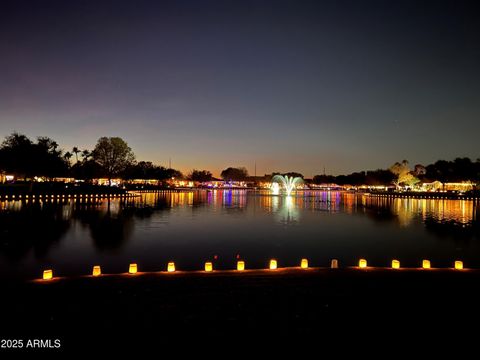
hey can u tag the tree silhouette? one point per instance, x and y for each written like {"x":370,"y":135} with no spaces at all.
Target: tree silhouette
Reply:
{"x":200,"y":175}
{"x":67,"y":156}
{"x":24,"y":158}
{"x":113,"y":155}
{"x":234,"y":174}
{"x":76,"y":150}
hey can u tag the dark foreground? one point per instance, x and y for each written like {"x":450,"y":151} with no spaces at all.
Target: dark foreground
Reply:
{"x":344,"y":310}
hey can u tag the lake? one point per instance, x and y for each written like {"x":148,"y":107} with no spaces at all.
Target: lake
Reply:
{"x":191,"y":227}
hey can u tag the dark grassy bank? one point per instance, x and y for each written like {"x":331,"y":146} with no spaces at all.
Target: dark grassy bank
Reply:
{"x":340,"y":310}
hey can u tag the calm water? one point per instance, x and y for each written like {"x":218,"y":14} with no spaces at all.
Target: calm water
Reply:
{"x":192,"y":227}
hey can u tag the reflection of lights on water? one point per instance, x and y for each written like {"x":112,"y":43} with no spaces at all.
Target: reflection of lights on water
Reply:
{"x":289,"y":202}
{"x":287,"y":212}
{"x":461,"y":212}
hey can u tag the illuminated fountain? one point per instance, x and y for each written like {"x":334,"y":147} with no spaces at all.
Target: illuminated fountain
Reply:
{"x":288,"y":182}
{"x":275,"y":188}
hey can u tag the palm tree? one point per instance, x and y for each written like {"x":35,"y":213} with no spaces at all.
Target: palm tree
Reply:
{"x":67,"y":156}
{"x":76,"y":150}
{"x":86,"y":154}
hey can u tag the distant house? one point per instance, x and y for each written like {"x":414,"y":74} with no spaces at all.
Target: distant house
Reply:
{"x":432,"y":186}
{"x":105,"y":181}
{"x":5,"y":178}
{"x":459,"y":186}
{"x":143,"y":181}
{"x":452,"y":186}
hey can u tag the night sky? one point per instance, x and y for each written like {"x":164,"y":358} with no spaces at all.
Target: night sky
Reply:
{"x":292,"y":85}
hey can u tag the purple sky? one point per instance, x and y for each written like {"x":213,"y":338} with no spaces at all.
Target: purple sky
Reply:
{"x":292,"y":85}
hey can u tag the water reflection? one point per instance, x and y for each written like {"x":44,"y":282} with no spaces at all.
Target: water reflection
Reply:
{"x":407,"y":210}
{"x":214,"y":218}
{"x":35,"y":228}
{"x":110,"y":225}
{"x":286,"y":210}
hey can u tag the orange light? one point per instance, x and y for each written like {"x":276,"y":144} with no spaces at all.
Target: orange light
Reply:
{"x":47,"y":274}
{"x":426,"y":264}
{"x":458,"y":265}
{"x":208,"y":267}
{"x":171,"y":267}
{"x":240,"y":265}
{"x":273,"y":264}
{"x":362,"y":263}
{"x":304,"y":264}
{"x":133,"y":269}
{"x":97,"y":271}
{"x":334,"y":264}
{"x":395,"y":264}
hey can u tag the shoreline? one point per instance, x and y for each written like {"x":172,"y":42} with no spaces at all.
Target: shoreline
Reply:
{"x":17,"y":193}
{"x":423,"y":195}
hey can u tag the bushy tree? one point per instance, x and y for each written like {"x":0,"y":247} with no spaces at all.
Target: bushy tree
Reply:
{"x":200,"y":175}
{"x":234,"y":174}
{"x":24,"y":158}
{"x":113,"y":155}
{"x":403,"y":174}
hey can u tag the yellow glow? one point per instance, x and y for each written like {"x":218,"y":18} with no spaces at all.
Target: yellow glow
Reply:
{"x":47,"y":274}
{"x":334,"y":264}
{"x":240,"y":265}
{"x":208,"y":267}
{"x":458,"y":265}
{"x":426,"y":264}
{"x":395,"y":264}
{"x":171,"y":267}
{"x":132,"y":269}
{"x":362,"y":263}
{"x":304,"y":264}
{"x":96,"y":270}
{"x":273,"y":264}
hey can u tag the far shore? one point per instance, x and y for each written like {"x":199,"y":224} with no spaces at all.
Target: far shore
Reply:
{"x":22,"y":190}
{"x":427,"y":195}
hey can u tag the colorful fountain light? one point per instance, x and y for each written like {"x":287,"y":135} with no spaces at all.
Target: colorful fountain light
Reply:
{"x":288,"y":182}
{"x":275,"y":188}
